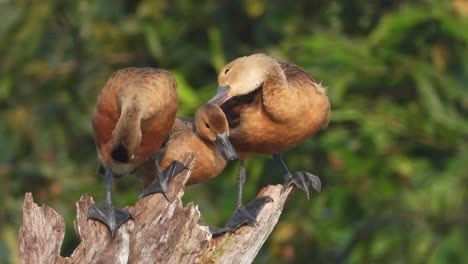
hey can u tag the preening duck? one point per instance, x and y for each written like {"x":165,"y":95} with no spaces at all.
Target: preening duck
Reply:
{"x":271,"y":107}
{"x":133,"y":116}
{"x":206,"y":134}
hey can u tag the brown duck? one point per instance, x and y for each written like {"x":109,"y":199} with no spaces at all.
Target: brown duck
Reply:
{"x":206,"y":134}
{"x":271,"y":107}
{"x":133,"y":116}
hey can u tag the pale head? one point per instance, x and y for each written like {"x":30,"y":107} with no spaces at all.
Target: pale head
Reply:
{"x":242,"y":76}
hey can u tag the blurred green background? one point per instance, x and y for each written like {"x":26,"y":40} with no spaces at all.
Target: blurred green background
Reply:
{"x":393,"y":161}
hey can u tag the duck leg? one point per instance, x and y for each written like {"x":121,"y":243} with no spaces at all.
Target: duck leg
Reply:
{"x":243,"y":215}
{"x":301,"y":179}
{"x":112,"y":217}
{"x":163,"y":178}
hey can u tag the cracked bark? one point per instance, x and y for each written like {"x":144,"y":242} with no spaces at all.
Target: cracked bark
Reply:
{"x":160,"y":232}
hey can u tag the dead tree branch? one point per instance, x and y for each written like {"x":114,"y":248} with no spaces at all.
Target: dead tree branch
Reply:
{"x":160,"y":232}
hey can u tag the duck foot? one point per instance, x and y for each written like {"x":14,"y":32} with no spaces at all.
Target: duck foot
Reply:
{"x":243,"y":215}
{"x":302,"y":180}
{"x":161,"y":182}
{"x":215,"y":231}
{"x":112,"y":217}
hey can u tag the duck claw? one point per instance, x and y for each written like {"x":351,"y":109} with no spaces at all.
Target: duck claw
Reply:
{"x":215,"y":231}
{"x":160,"y":183}
{"x":244,"y":215}
{"x":302,"y":180}
{"x":112,"y":217}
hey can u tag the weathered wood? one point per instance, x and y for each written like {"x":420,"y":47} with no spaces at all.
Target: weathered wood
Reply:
{"x":160,"y":232}
{"x":244,"y":244}
{"x":41,"y":235}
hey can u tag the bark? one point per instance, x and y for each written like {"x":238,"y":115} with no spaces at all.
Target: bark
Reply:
{"x":160,"y":232}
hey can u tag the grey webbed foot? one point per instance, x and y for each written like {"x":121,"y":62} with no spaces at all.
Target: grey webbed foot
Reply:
{"x":302,"y":180}
{"x":244,"y":215}
{"x":112,"y":217}
{"x":106,"y":213}
{"x":163,"y":179}
{"x":215,"y":231}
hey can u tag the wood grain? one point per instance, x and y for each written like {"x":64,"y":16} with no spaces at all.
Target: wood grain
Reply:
{"x":160,"y":232}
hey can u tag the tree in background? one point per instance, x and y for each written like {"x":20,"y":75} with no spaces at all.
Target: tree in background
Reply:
{"x":393,"y":161}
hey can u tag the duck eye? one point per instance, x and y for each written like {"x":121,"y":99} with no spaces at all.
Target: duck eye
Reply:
{"x":207,"y":126}
{"x":226,"y":71}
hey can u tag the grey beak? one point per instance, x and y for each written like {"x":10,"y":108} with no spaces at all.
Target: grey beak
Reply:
{"x":225,"y":147}
{"x":221,"y":96}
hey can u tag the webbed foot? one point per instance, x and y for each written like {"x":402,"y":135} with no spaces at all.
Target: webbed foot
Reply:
{"x":112,"y":217}
{"x":244,"y":215}
{"x":106,"y":213}
{"x":163,"y":179}
{"x":302,"y":180}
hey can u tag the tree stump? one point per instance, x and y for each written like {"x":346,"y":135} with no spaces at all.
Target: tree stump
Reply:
{"x":161,"y":231}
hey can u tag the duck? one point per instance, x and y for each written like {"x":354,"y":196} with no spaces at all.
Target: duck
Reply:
{"x":133,"y":116}
{"x":271,"y":107}
{"x":206,"y":134}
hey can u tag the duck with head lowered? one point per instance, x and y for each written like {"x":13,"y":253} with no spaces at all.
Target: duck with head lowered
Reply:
{"x":133,"y":116}
{"x":206,"y":134}
{"x":271,"y":107}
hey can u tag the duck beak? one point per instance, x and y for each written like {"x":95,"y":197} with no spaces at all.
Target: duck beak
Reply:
{"x":221,"y":96}
{"x":225,"y":147}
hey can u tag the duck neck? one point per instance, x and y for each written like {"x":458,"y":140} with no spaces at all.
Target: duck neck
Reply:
{"x":127,"y":133}
{"x":278,"y":100}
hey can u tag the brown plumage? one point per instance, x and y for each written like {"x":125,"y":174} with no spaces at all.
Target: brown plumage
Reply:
{"x":271,"y":106}
{"x":133,"y":116}
{"x":206,"y":134}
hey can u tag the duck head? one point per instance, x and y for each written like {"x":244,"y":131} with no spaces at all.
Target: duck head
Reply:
{"x":211,"y":124}
{"x":242,"y":76}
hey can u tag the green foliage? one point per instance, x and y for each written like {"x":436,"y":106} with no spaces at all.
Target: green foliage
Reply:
{"x":393,"y":160}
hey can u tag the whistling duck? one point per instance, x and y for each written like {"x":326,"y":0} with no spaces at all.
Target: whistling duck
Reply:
{"x":133,"y":116}
{"x":206,"y":134}
{"x":271,"y":107}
